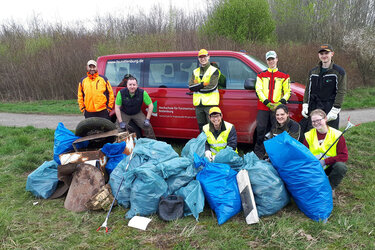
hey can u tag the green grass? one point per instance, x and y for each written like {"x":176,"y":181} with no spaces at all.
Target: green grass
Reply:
{"x":359,"y":98}
{"x":354,"y":99}
{"x":53,"y":107}
{"x":49,"y":225}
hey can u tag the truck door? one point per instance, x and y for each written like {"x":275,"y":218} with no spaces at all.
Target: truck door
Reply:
{"x":239,"y":106}
{"x":166,"y":80}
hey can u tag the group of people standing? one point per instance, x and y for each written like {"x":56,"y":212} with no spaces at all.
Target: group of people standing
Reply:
{"x":318,"y":130}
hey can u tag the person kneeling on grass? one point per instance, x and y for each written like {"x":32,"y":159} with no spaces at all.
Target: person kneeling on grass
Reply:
{"x":319,"y":139}
{"x":285,"y":123}
{"x":220,"y":134}
{"x":128,"y":107}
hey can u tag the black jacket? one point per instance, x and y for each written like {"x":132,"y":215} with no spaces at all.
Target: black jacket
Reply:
{"x":291,"y":127}
{"x":325,"y":90}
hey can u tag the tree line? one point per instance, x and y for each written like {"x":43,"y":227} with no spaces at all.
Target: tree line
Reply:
{"x":46,"y":61}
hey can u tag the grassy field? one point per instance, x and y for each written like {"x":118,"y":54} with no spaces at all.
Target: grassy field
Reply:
{"x":49,"y":225}
{"x":357,"y":98}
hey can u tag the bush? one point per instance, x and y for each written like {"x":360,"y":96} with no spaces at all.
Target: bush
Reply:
{"x":241,"y":20}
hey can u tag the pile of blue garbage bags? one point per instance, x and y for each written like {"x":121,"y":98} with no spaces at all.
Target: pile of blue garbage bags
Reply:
{"x":156,"y":170}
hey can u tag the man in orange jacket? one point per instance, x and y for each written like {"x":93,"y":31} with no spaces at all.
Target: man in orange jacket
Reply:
{"x":95,"y":94}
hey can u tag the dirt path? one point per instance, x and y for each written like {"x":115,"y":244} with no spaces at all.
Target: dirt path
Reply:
{"x":71,"y":121}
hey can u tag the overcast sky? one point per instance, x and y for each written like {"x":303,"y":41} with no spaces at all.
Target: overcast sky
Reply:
{"x":70,"y":11}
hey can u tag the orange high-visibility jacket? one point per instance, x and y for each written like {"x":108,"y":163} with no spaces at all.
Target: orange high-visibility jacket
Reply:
{"x":95,"y":95}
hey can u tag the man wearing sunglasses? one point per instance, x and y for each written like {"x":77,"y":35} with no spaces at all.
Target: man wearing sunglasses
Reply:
{"x":325,"y":89}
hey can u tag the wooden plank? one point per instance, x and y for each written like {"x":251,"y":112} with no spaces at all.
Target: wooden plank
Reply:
{"x":97,"y":136}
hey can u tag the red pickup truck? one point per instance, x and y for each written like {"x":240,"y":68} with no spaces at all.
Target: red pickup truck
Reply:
{"x":165,"y":76}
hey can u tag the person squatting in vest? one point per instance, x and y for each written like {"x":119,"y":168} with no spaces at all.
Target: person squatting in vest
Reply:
{"x":319,"y":139}
{"x":220,"y":134}
{"x":272,"y":89}
{"x":204,"y":83}
{"x":95,"y":94}
{"x":285,"y":123}
{"x":325,"y":89}
{"x":128,"y":107}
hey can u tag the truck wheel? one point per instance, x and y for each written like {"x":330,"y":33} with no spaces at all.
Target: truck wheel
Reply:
{"x":94,"y":125}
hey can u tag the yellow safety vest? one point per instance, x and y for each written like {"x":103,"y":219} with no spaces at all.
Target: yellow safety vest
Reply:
{"x":219,"y":143}
{"x":206,"y":99}
{"x":316,"y":149}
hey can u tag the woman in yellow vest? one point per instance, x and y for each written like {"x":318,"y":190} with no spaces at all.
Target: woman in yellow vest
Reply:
{"x":220,"y":134}
{"x":319,"y":139}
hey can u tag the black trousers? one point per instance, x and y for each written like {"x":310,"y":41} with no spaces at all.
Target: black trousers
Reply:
{"x":265,"y":120}
{"x":103,"y":114}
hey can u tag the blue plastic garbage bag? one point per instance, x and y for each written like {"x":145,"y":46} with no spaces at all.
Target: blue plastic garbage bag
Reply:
{"x":230,"y":157}
{"x":63,"y":141}
{"x":195,"y":146}
{"x":220,"y":188}
{"x":303,"y":176}
{"x":146,"y":189}
{"x":114,"y":152}
{"x":42,"y":182}
{"x":269,"y":190}
{"x":178,"y":172}
{"x":123,"y":197}
{"x":193,"y":198}
{"x":153,"y":150}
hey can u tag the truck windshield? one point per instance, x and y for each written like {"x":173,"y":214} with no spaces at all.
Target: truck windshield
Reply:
{"x":257,"y":62}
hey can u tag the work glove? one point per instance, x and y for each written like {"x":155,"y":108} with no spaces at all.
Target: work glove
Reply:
{"x":323,"y":163}
{"x":147,"y":123}
{"x":283,"y":101}
{"x":122,"y":125}
{"x":208,"y":155}
{"x":332,"y":115}
{"x":305,"y":110}
{"x":276,"y":104}
{"x":271,"y":106}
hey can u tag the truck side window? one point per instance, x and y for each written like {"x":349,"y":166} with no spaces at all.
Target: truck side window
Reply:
{"x":172,"y":72}
{"x":234,"y":70}
{"x":116,"y":69}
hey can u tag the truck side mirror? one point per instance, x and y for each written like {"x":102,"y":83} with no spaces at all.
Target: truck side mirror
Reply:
{"x":249,"y":84}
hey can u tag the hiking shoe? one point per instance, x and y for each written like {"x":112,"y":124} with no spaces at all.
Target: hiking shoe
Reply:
{"x":333,"y":194}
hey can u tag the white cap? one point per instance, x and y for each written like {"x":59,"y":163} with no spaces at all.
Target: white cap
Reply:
{"x":92,"y":62}
{"x":270,"y":54}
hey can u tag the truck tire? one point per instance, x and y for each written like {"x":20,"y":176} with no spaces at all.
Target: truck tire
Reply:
{"x":94,"y":125}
